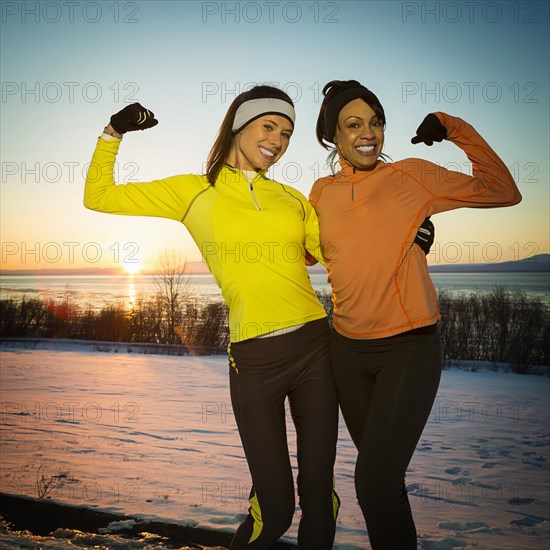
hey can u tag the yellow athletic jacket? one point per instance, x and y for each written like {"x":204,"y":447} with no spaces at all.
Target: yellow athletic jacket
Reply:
{"x":253,"y":236}
{"x":381,"y":286}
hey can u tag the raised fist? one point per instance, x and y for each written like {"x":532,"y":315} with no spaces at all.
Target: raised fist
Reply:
{"x":133,"y":117}
{"x":430,"y":130}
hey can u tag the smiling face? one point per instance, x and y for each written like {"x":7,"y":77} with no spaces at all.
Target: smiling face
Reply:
{"x":359,"y":135}
{"x":261,"y":143}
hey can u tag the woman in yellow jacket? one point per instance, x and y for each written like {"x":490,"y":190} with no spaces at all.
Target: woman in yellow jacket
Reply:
{"x":385,"y":349}
{"x":253,"y":233}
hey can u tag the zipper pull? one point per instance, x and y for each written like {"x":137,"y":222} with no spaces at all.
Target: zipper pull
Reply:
{"x":254,"y":199}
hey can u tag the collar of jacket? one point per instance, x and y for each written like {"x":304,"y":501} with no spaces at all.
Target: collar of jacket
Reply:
{"x":350,"y":174}
{"x":228,"y":174}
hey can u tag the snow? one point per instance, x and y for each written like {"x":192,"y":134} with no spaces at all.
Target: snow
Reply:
{"x":154,"y":437}
{"x":68,"y":539}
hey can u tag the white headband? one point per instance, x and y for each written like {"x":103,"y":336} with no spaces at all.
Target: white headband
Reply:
{"x":254,"y":108}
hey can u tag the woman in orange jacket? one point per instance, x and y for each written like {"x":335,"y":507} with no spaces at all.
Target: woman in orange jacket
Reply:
{"x":386,"y":350}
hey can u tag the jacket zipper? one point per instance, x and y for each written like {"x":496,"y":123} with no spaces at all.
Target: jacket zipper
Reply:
{"x":254,"y":198}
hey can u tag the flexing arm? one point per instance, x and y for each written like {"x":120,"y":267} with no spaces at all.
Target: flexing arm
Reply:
{"x":162,"y":198}
{"x":490,"y":185}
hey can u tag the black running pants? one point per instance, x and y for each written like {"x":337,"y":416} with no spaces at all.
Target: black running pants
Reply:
{"x":386,"y":389}
{"x":264,"y":372}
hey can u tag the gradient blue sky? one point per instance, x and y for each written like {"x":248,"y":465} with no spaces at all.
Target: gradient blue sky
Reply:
{"x":487,"y":62}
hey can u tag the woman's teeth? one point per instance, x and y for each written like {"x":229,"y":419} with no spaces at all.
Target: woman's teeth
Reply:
{"x":266,"y":152}
{"x":365,"y":148}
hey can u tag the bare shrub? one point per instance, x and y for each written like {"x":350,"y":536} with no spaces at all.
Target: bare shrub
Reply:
{"x":501,"y":326}
{"x":45,"y":484}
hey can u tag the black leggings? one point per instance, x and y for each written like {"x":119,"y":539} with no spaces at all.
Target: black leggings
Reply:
{"x":262,"y":373}
{"x":386,"y":388}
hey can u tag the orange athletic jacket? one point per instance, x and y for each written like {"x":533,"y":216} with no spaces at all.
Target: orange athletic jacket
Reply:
{"x":381,"y":285}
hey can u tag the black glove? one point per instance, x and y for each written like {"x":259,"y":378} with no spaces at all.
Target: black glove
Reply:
{"x":430,"y":130}
{"x":425,"y":236}
{"x":133,"y":117}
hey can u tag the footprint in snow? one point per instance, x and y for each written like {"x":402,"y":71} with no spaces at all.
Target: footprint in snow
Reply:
{"x":538,"y":461}
{"x":464,"y":480}
{"x":527,"y":521}
{"x":223,"y":521}
{"x":517,"y":500}
{"x":463,"y":527}
{"x":443,"y":544}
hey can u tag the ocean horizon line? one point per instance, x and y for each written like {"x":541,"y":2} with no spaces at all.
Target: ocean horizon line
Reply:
{"x":538,"y":263}
{"x":198,"y":268}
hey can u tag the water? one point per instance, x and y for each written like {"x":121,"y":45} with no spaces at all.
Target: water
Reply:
{"x":96,"y":291}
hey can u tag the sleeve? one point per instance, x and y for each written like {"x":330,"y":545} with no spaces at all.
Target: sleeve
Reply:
{"x":315,"y":191}
{"x":491,"y":184}
{"x":314,"y":196}
{"x":165,"y":198}
{"x":314,"y":251}
{"x":312,"y":241}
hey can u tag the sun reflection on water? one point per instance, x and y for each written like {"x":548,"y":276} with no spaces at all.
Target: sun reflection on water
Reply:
{"x":131,"y":291}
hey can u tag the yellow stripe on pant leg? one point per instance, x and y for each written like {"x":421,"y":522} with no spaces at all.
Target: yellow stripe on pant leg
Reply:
{"x":335,"y":499}
{"x":256,"y":514}
{"x":232,"y":361}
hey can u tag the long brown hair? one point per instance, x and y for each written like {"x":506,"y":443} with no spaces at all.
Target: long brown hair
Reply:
{"x":222,"y":145}
{"x":330,"y":91}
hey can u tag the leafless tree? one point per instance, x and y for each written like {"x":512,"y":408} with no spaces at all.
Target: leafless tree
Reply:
{"x":173,"y":290}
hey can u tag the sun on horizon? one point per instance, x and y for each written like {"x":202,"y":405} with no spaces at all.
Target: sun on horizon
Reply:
{"x":132,"y":268}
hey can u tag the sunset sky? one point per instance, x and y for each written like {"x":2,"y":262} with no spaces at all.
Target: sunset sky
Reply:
{"x":67,"y":66}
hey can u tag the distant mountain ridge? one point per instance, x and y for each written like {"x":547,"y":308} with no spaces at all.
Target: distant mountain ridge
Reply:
{"x":538,"y":263}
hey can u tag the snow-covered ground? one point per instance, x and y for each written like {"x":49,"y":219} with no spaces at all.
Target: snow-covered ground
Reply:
{"x":154,"y":436}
